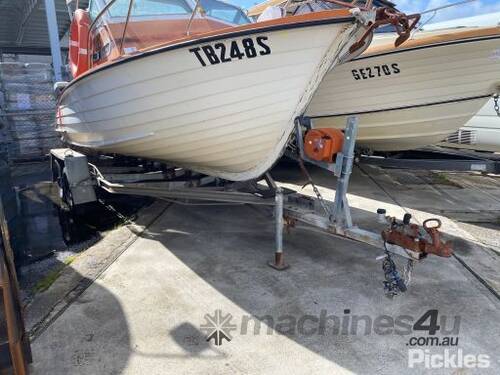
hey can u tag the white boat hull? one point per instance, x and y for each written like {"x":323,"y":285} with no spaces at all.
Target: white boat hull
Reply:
{"x":230,"y":120}
{"x":407,"y":129}
{"x":429,"y":92}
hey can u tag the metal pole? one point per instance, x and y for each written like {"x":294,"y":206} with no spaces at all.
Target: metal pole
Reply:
{"x":341,"y":212}
{"x":279,"y":262}
{"x":130,"y":5}
{"x":279,"y":220}
{"x":55,"y":47}
{"x":193,"y":14}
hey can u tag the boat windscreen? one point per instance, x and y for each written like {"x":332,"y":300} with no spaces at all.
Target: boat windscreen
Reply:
{"x":224,"y":12}
{"x":142,"y":8}
{"x":121,"y":27}
{"x":212,"y":8}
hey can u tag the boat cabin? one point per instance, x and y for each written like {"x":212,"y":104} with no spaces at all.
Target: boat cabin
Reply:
{"x":110,"y":29}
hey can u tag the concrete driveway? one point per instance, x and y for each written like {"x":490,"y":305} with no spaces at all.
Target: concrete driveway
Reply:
{"x":201,"y":271}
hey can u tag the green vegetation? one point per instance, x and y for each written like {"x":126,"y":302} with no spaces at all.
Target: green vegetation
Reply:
{"x":52,"y":276}
{"x":442,"y":179}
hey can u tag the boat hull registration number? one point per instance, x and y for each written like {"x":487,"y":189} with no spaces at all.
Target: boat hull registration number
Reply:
{"x":376,"y":71}
{"x":217,"y":53}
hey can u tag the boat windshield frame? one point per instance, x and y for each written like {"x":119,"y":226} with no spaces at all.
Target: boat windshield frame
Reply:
{"x":101,"y":4}
{"x":195,"y":6}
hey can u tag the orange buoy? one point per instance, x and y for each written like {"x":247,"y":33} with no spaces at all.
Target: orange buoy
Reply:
{"x":323,"y":144}
{"x":78,"y":38}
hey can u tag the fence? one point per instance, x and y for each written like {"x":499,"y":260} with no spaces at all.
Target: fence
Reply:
{"x":27,"y":111}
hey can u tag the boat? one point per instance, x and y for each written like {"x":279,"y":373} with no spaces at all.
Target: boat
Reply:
{"x":481,"y":133}
{"x":413,"y":95}
{"x":197,"y":84}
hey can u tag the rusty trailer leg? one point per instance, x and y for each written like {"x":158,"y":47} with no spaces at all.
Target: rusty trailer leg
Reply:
{"x":279,"y":261}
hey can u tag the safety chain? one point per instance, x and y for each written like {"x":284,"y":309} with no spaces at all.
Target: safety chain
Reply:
{"x":394,"y":284}
{"x":497,"y":106}
{"x":315,"y":189}
{"x":407,"y":272}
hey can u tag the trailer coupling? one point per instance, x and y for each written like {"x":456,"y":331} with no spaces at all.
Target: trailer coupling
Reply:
{"x":425,"y":239}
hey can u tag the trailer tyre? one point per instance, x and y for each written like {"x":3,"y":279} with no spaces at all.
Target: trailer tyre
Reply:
{"x":59,"y":177}
{"x":67,"y":197}
{"x":71,"y":230}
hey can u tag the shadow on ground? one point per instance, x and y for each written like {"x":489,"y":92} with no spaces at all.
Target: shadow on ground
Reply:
{"x":229,"y":253}
{"x":89,"y":336}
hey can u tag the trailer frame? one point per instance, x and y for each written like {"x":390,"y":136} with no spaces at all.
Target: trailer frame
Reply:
{"x":436,"y":158}
{"x":183,"y":186}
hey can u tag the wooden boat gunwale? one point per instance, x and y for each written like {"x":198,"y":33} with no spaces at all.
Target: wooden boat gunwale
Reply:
{"x":449,"y":39}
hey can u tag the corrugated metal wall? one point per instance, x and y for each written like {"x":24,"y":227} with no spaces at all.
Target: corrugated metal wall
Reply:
{"x":23,"y":22}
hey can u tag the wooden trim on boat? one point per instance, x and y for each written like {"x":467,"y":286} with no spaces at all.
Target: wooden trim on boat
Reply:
{"x":258,"y":9}
{"x":446,"y":38}
{"x":292,"y":22}
{"x":403,"y":107}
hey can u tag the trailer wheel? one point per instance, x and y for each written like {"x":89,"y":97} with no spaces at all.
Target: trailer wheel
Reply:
{"x":55,"y":169}
{"x":57,"y":174}
{"x":65,"y":193}
{"x":70,"y":226}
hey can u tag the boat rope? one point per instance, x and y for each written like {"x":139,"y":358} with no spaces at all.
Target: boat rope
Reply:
{"x":433,"y":10}
{"x":434,"y":13}
{"x":496,"y":105}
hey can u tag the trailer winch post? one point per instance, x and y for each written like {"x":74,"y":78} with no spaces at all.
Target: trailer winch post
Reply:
{"x":341,"y":214}
{"x":339,"y":221}
{"x":342,"y":169}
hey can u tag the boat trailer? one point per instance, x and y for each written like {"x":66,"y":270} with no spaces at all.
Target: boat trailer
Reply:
{"x":436,"y":158}
{"x":80,"y":180}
